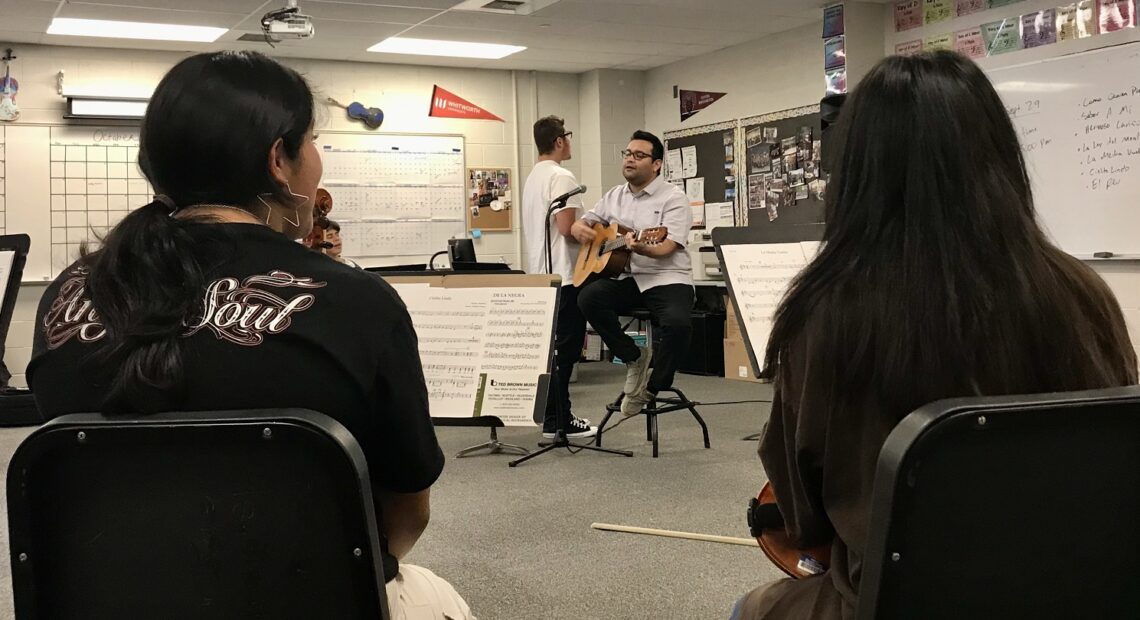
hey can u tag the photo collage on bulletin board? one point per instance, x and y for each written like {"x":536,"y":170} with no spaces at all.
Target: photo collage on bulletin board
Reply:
{"x":782,"y":170}
{"x":489,"y":199}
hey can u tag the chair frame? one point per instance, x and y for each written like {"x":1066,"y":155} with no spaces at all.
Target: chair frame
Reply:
{"x":263,"y":425}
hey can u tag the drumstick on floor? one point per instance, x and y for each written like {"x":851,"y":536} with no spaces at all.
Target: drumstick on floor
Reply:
{"x":728,"y":540}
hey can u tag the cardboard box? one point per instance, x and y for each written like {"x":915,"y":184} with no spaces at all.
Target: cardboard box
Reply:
{"x":731,"y":325}
{"x":736,"y":364}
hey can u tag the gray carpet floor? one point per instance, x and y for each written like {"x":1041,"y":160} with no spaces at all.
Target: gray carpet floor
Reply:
{"x":517,"y":542}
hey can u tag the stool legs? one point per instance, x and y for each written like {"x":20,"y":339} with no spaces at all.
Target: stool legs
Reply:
{"x":656,"y":407}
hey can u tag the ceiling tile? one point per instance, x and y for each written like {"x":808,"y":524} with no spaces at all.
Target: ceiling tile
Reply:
{"x":364,"y":13}
{"x":570,"y":35}
{"x":153,"y":16}
{"x":244,"y":7}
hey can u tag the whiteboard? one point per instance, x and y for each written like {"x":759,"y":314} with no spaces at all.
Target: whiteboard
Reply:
{"x":395,"y":194}
{"x":1078,"y":119}
{"x":95,"y":182}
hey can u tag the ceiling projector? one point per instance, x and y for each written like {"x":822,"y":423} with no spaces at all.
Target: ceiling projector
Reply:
{"x":288,"y":23}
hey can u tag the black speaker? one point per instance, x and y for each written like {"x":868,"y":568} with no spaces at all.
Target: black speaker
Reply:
{"x":461,"y":251}
{"x":829,"y":108}
{"x":706,"y":347}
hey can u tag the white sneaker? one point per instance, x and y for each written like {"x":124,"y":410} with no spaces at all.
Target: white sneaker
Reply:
{"x":579,"y":428}
{"x":632,"y":405}
{"x":637,"y":372}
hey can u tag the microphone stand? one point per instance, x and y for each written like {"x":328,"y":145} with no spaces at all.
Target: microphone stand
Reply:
{"x":561,"y":416}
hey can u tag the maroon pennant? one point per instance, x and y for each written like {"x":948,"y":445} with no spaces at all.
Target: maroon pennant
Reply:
{"x":693,"y":101}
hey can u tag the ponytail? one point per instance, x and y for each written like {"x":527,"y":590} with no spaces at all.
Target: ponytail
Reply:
{"x":145,"y":284}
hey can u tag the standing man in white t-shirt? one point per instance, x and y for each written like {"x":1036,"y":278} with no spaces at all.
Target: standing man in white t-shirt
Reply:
{"x":548,"y":181}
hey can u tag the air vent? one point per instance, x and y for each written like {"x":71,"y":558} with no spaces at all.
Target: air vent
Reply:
{"x":504,"y":7}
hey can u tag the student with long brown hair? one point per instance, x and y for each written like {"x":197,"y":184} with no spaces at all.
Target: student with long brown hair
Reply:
{"x":935,"y":280}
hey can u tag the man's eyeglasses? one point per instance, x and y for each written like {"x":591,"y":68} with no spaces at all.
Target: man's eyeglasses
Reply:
{"x":638,"y":155}
{"x":567,"y":135}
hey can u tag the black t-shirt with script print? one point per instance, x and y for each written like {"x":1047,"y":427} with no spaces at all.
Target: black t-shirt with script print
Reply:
{"x":281,"y":326}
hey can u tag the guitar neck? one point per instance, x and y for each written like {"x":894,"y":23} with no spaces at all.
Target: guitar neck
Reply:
{"x":619,"y":243}
{"x":616,"y":244}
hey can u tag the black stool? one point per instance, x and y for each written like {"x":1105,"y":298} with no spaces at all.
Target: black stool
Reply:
{"x":656,"y":407}
{"x":659,"y":405}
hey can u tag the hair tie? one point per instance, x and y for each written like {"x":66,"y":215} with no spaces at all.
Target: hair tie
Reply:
{"x":168,"y":201}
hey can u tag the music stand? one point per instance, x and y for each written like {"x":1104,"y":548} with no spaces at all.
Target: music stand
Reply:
{"x":748,"y":235}
{"x":560,"y":416}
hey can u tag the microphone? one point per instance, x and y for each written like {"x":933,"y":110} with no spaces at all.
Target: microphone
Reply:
{"x":581,"y":189}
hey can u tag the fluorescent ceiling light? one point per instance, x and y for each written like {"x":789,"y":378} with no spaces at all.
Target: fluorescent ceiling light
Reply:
{"x":134,"y":30}
{"x":105,"y":107}
{"x":433,"y":47}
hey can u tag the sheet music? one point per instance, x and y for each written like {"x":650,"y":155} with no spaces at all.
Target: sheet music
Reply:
{"x":449,"y":324}
{"x":482,"y":349}
{"x":760,"y":275}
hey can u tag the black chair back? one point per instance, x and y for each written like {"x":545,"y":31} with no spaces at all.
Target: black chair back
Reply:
{"x":1008,"y":507}
{"x":240,"y":514}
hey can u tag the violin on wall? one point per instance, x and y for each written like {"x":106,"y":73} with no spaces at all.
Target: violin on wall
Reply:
{"x":321,"y":208}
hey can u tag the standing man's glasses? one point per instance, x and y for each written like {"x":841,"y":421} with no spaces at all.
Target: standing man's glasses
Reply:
{"x":638,"y":155}
{"x":568,"y":134}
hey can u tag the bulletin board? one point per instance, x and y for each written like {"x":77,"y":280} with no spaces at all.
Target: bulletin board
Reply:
{"x":756,"y":187}
{"x":489,"y":199}
{"x":716,"y":159}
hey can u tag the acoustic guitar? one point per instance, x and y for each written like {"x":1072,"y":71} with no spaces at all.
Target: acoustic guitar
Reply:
{"x":774,"y":541}
{"x":608,"y":254}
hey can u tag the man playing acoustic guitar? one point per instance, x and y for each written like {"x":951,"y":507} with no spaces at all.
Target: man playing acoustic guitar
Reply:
{"x":659,"y":276}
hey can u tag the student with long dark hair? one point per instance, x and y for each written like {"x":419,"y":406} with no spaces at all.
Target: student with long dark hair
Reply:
{"x":201,"y":300}
{"x":934,"y":281}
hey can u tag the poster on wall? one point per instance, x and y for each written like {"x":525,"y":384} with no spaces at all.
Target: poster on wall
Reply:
{"x":937,"y":42}
{"x":909,"y":48}
{"x":1002,"y":36}
{"x":693,"y":101}
{"x":1039,"y":28}
{"x":1000,"y":3}
{"x":935,"y":11}
{"x":967,"y":7}
{"x":836,"y":82}
{"x":446,"y":104}
{"x":970,"y":43}
{"x":908,"y":15}
{"x":1117,"y":15}
{"x":833,"y":21}
{"x":1076,"y":21}
{"x":834,"y":53}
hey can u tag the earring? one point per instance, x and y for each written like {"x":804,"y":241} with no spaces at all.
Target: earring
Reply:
{"x":296,"y":221}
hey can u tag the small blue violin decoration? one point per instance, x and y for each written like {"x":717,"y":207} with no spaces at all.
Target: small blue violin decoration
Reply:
{"x":373,"y":117}
{"x":9,"y":111}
